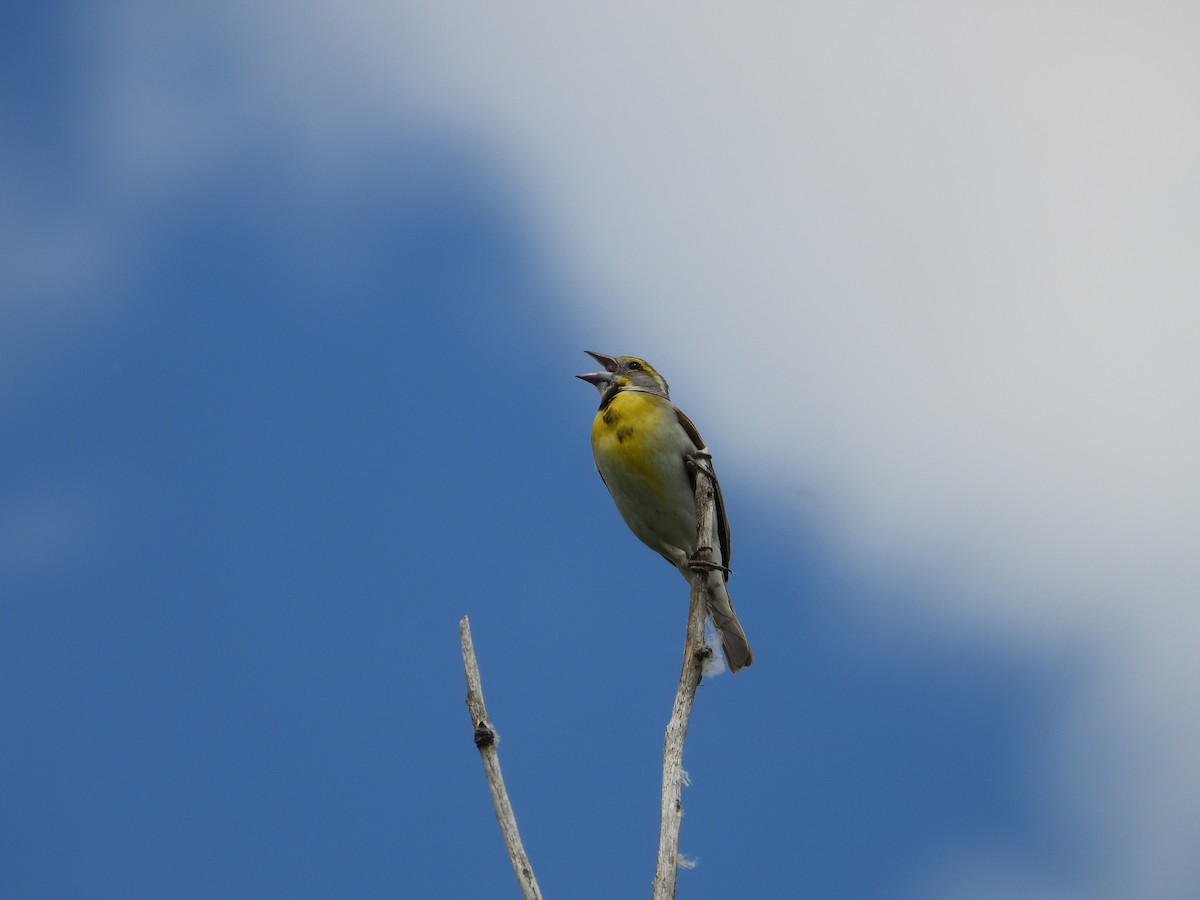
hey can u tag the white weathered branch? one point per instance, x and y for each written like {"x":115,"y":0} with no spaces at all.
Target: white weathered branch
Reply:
{"x":485,"y":740}
{"x":695,"y":653}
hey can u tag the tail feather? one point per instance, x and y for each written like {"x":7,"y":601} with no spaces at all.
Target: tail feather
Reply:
{"x":733,"y":639}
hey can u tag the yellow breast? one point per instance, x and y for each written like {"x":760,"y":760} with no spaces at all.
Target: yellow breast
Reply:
{"x":631,"y":432}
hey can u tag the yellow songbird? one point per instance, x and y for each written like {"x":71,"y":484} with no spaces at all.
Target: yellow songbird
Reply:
{"x":641,"y":443}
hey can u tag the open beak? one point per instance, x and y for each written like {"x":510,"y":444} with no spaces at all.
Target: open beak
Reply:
{"x":599,"y":378}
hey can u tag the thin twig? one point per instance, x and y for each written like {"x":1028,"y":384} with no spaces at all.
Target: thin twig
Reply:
{"x":695,"y":653}
{"x":485,"y":740}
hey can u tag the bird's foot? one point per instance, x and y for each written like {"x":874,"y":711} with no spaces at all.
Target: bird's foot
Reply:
{"x":697,"y":564}
{"x":701,"y":460}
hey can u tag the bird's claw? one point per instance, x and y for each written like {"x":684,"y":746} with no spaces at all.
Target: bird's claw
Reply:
{"x":704,"y":565}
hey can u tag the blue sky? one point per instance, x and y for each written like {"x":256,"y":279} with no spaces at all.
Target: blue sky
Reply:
{"x":292,"y":304}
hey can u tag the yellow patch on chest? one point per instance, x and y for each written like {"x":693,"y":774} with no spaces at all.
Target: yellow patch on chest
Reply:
{"x":629,"y":432}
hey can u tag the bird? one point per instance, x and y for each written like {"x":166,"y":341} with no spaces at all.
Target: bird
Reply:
{"x":644,"y":448}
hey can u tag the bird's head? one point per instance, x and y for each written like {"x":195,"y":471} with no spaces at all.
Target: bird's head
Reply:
{"x":625,"y":373}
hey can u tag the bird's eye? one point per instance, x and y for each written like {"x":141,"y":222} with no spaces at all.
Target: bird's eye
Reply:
{"x":634,"y":364}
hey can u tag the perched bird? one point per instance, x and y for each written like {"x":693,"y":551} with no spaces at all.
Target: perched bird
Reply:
{"x":641,"y":443}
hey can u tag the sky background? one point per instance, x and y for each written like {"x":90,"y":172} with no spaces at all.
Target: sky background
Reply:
{"x":291,"y":304}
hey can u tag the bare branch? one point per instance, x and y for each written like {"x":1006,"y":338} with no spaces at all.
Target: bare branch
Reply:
{"x":485,"y":740}
{"x":695,"y":653}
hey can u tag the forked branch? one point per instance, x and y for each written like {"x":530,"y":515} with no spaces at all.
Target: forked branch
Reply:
{"x":695,"y":653}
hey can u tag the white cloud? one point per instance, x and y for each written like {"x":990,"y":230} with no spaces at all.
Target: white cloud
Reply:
{"x":945,"y":255}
